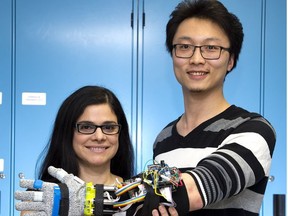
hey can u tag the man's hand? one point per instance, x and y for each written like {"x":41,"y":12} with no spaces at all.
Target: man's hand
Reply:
{"x":163,"y":211}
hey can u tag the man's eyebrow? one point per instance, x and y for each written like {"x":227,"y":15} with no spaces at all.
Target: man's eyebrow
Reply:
{"x":212,"y":39}
{"x":205,"y":40}
{"x":185,"y":38}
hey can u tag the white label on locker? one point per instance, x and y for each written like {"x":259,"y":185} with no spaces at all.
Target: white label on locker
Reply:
{"x":0,"y":98}
{"x":32,"y":98}
{"x":1,"y":165}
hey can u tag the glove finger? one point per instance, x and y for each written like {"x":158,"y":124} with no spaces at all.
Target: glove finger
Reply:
{"x":57,"y":173}
{"x":29,"y":195}
{"x":35,"y":184}
{"x":27,"y":183}
{"x":64,"y":177}
{"x":30,"y":206}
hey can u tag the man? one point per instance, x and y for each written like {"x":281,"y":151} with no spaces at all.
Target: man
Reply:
{"x":224,"y":151}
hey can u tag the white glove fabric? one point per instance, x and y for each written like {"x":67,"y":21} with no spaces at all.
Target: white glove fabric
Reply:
{"x":41,"y":201}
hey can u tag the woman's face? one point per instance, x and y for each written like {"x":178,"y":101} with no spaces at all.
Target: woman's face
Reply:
{"x":96,"y":149}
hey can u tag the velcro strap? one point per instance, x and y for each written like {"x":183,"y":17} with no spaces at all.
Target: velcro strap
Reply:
{"x":180,"y":197}
{"x":151,"y":200}
{"x":64,"y":204}
{"x":56,"y":201}
{"x":99,"y":200}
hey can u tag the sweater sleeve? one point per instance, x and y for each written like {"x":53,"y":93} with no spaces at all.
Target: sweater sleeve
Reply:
{"x":241,"y":161}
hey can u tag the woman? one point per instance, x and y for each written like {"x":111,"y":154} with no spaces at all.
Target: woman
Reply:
{"x":90,"y":138}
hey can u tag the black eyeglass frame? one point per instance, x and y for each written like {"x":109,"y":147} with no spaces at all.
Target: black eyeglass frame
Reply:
{"x":98,"y":126}
{"x":201,"y":52}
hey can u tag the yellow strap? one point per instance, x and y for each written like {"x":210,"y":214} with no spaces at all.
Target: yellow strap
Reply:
{"x":89,"y":201}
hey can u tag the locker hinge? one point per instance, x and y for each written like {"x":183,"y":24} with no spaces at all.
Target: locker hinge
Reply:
{"x":132,"y":20}
{"x":143,"y":20}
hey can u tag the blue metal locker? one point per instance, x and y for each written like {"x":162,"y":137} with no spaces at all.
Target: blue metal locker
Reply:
{"x":6,"y":126}
{"x":61,"y":46}
{"x":275,"y":95}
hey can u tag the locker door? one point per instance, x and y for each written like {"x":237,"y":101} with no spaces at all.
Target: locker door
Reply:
{"x":5,"y":106}
{"x":61,"y":46}
{"x":162,"y":96}
{"x":275,"y":98}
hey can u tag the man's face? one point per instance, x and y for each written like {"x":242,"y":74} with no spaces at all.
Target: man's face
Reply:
{"x":197,"y":74}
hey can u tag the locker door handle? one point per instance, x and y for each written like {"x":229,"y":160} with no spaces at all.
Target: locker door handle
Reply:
{"x":271,"y":178}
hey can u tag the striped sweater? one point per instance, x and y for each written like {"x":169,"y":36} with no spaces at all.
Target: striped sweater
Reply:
{"x":229,"y":157}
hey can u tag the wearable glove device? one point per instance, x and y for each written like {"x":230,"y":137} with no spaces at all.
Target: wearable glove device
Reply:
{"x":72,"y":197}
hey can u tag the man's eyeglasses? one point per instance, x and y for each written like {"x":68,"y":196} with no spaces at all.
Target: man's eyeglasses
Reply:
{"x":88,"y":128}
{"x":208,"y":52}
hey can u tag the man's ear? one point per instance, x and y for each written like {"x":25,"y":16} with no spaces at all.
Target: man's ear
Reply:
{"x":230,"y":63}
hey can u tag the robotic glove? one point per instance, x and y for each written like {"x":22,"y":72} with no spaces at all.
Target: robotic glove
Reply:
{"x":164,"y":186}
{"x":74,"y":197}
{"x":50,"y":198}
